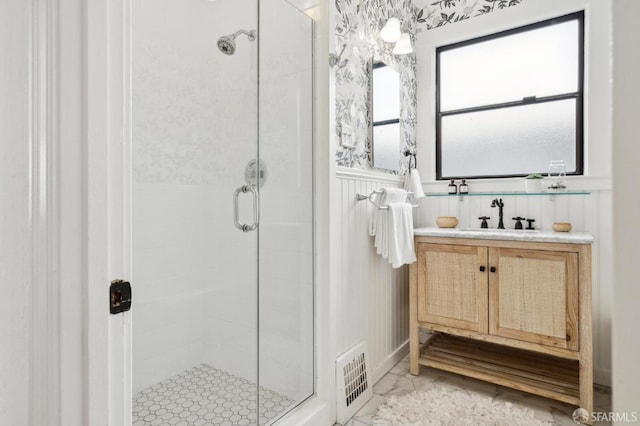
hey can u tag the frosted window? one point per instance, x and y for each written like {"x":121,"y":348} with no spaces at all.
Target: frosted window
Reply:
{"x":386,"y":150}
{"x":509,"y":141}
{"x":509,"y":103}
{"x":539,"y":62}
{"x":386,"y":94}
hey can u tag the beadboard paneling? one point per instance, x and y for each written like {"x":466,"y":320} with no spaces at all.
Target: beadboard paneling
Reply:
{"x":373,"y":299}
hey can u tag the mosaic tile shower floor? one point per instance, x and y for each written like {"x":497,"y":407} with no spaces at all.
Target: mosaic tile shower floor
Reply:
{"x":204,"y":396}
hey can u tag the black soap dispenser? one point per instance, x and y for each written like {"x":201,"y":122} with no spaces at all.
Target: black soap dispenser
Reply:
{"x":453,"y":188}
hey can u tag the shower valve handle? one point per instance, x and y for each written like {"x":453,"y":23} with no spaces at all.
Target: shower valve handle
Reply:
{"x":256,"y":208}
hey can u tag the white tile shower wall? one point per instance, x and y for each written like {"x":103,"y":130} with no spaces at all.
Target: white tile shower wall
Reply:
{"x":191,"y":104}
{"x":372,"y":298}
{"x":194,"y":129}
{"x":190,"y":295}
{"x":587,"y":213}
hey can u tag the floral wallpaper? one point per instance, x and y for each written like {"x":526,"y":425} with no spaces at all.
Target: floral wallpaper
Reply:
{"x":358,"y":25}
{"x":440,"y":13}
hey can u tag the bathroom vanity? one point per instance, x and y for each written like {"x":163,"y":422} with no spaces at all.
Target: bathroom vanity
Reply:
{"x":505,"y":306}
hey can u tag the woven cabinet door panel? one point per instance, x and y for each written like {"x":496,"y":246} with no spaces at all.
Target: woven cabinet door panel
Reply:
{"x":452,"y":286}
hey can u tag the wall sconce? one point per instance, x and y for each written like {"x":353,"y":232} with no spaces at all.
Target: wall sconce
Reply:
{"x":403,"y":45}
{"x":391,"y":33}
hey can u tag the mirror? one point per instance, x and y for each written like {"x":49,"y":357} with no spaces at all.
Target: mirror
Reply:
{"x":385,"y":116}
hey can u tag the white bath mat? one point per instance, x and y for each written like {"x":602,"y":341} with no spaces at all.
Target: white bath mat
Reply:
{"x":446,"y":406}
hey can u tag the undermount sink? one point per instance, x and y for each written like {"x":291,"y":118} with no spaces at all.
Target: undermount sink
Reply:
{"x":524,"y":231}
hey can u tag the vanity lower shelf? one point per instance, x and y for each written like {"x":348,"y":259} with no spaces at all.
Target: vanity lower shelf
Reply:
{"x":539,"y":374}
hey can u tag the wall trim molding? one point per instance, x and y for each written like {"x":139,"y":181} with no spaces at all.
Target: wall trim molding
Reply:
{"x":602,"y":377}
{"x":106,"y":135}
{"x":45,"y":214}
{"x":359,"y":174}
{"x":389,"y":362}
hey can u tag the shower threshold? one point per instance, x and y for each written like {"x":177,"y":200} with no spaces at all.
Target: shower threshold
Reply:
{"x":203,"y":396}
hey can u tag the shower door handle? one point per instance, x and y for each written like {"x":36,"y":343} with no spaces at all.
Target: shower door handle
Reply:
{"x":256,"y":208}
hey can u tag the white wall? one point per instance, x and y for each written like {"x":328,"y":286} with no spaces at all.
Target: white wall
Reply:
{"x":195,"y":128}
{"x":372,"y":299}
{"x":72,"y":222}
{"x":592,"y":213}
{"x":16,"y":258}
{"x":369,"y":299}
{"x":626,"y":155}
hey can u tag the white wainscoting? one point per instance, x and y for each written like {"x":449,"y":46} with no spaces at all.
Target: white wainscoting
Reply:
{"x":372,"y":298}
{"x":588,"y":213}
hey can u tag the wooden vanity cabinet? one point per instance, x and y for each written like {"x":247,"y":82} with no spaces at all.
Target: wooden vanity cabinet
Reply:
{"x":516,"y":313}
{"x":534,"y":296}
{"x":452,"y":288}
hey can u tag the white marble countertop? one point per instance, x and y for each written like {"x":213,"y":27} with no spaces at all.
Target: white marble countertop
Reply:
{"x":507,"y":234}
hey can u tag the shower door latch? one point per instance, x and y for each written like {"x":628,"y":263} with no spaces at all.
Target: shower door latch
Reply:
{"x":119,"y":296}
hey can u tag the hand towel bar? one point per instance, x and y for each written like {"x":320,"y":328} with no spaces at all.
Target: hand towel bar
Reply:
{"x":361,"y":197}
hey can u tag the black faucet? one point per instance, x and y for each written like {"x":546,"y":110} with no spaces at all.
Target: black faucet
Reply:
{"x":498,"y":203}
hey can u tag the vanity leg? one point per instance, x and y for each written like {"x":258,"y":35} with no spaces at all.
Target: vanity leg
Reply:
{"x":586,"y":332}
{"x":586,"y":386}
{"x":414,"y":330}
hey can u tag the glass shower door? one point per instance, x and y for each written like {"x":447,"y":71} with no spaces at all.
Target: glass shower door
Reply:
{"x":195,"y":266}
{"x":223,"y":309}
{"x":286,"y":285}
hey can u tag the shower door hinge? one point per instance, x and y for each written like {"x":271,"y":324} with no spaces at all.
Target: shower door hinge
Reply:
{"x":119,"y":296}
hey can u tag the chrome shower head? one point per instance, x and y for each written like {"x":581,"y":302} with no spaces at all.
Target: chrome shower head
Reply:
{"x":227,"y":44}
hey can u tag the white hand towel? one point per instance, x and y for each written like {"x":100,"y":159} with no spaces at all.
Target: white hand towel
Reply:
{"x":382,"y":233}
{"x":400,"y":234}
{"x":412,"y":183}
{"x":390,"y":233}
{"x":387,"y":195}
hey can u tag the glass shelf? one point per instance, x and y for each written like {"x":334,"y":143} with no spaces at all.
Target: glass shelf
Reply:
{"x":506,"y":193}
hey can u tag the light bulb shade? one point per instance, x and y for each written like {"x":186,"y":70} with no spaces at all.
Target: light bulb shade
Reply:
{"x":391,"y":30}
{"x":403,"y":45}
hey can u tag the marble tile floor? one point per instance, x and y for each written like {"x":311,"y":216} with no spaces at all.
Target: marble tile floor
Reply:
{"x":205,"y":396}
{"x":399,"y":381}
